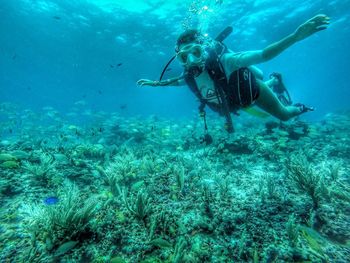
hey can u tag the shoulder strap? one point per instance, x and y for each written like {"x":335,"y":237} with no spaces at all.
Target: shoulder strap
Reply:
{"x":217,"y":73}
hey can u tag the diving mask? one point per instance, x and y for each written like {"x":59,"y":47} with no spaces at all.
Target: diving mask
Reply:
{"x":191,"y":54}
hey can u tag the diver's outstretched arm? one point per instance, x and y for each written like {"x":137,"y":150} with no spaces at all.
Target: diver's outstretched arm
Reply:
{"x":178,"y":81}
{"x":311,"y":26}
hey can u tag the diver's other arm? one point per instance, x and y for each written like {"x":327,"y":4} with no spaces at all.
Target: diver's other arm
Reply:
{"x":310,"y":27}
{"x":178,"y":81}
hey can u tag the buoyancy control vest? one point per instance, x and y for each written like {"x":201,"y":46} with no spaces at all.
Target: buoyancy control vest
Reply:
{"x":239,"y":90}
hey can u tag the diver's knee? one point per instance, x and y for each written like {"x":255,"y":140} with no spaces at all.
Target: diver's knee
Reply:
{"x":284,"y":116}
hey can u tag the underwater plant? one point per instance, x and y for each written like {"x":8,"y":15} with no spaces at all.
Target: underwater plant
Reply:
{"x":111,"y":178}
{"x":123,"y":169}
{"x":40,"y":172}
{"x":140,"y":206}
{"x":334,"y":170}
{"x":95,"y":151}
{"x":223,"y":184}
{"x":164,"y":225}
{"x":180,"y":249}
{"x":292,"y":231}
{"x":179,"y":172}
{"x":149,"y":165}
{"x":155,"y":203}
{"x":271,"y":186}
{"x":70,"y":220}
{"x":306,"y":179}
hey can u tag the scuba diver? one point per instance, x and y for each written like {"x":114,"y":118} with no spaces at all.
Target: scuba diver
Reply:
{"x":226,"y":81}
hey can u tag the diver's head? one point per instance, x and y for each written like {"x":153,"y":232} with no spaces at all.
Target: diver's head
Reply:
{"x":190,"y":51}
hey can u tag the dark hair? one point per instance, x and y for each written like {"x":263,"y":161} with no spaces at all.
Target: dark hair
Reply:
{"x":189,"y":36}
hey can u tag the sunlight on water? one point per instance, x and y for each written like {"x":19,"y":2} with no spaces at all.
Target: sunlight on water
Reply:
{"x":139,"y":6}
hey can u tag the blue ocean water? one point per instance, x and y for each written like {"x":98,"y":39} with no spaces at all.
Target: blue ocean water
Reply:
{"x":94,"y":168}
{"x":55,"y":53}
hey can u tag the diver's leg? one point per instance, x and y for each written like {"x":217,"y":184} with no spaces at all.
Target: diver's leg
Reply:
{"x":257,"y":72}
{"x":270,"y":103}
{"x":271,"y":82}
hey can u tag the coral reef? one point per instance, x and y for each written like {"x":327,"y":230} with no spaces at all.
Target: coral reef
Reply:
{"x":148,"y":190}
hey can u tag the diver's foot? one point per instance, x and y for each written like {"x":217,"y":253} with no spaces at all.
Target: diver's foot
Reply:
{"x":303,"y":108}
{"x":276,"y":75}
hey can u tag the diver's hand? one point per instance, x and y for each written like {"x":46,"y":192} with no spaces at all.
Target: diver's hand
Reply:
{"x":147,"y":82}
{"x":310,"y":27}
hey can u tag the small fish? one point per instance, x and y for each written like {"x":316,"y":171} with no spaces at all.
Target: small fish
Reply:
{"x":111,"y":66}
{"x":119,"y":64}
{"x":168,"y":69}
{"x":123,"y":106}
{"x":100,"y":92}
{"x":101,"y":129}
{"x":10,"y":130}
{"x":57,"y":17}
{"x":52,"y":200}
{"x":14,"y":56}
